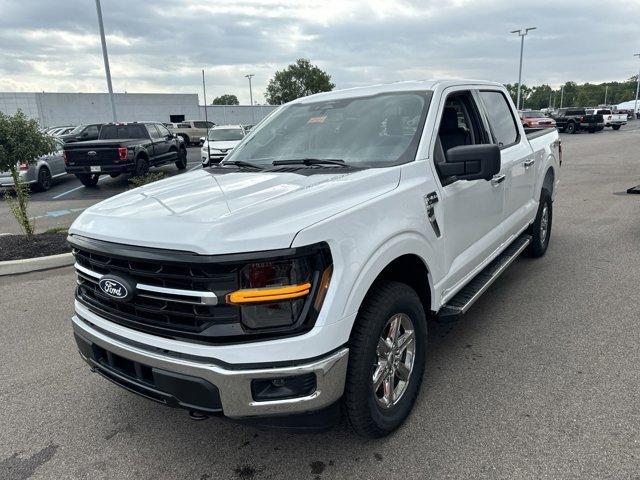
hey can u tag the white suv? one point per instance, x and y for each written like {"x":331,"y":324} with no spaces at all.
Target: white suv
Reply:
{"x":222,"y":139}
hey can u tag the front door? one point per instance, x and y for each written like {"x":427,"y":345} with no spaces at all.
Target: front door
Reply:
{"x":472,"y":210}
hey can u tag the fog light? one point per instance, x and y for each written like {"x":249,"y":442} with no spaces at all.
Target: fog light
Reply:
{"x":284,"y":387}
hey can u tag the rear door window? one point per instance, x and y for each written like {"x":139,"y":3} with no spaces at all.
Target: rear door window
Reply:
{"x":501,"y":119}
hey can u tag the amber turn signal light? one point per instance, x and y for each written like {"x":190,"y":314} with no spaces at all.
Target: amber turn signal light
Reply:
{"x":255,"y":295}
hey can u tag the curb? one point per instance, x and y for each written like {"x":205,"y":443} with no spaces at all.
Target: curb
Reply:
{"x":14,"y":267}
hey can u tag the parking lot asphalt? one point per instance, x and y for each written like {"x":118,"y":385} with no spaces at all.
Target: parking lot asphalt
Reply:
{"x":67,"y":198}
{"x":539,"y":380}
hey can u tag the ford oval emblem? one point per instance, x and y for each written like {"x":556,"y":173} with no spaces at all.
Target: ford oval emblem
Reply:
{"x":116,"y":287}
{"x":92,"y":153}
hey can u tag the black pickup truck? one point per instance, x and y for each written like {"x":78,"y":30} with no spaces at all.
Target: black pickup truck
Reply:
{"x":573,"y":120}
{"x":124,"y":148}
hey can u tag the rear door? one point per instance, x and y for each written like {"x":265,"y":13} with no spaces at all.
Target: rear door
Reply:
{"x":159,"y":145}
{"x":518,"y":159}
{"x":169,"y":142}
{"x":472,"y":210}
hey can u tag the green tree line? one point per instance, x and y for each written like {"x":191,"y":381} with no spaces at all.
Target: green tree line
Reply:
{"x":574,"y":95}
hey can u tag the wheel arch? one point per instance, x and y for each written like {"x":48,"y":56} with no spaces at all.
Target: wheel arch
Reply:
{"x":549,"y":181}
{"x":402,"y":258}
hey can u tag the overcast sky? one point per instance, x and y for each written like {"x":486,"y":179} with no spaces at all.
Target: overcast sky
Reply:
{"x":161,"y":46}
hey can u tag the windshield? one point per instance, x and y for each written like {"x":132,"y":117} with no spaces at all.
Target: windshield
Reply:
{"x":376,"y":131}
{"x":533,"y":115}
{"x":225,"y":134}
{"x":78,"y":129}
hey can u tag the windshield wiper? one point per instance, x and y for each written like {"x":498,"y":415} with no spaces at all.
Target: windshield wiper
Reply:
{"x":311,"y":161}
{"x":242,"y":163}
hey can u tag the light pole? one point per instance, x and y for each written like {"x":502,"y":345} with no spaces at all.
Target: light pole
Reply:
{"x":521,"y":34}
{"x":606,"y":91}
{"x":561,"y":95}
{"x":635,"y":106}
{"x":253,"y":118}
{"x":105,"y":57}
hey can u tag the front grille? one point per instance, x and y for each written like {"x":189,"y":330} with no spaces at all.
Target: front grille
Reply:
{"x":170,"y":299}
{"x":102,"y":157}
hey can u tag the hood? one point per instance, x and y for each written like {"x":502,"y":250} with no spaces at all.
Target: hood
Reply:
{"x":224,"y":145}
{"x":209,"y":212}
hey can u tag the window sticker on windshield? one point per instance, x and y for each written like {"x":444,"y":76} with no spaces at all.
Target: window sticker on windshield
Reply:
{"x":317,"y":119}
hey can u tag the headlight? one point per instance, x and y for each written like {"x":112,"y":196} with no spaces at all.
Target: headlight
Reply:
{"x":284,"y":292}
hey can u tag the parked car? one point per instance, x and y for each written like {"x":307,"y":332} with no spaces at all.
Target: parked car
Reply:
{"x":536,"y":119}
{"x":59,"y":130}
{"x":627,"y":113}
{"x":613,"y":120}
{"x":40,"y":174}
{"x":299,"y":273}
{"x":124,"y":148}
{"x":573,"y":120}
{"x":191,"y":130}
{"x":82,"y":133}
{"x":222,"y":140}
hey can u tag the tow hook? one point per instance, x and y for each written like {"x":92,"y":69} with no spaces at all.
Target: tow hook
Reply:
{"x":196,"y":415}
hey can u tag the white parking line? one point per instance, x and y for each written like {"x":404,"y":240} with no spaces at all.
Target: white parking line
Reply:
{"x":197,"y":166}
{"x":74,"y":189}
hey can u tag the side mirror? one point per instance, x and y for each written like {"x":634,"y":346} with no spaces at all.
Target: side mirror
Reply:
{"x":471,"y":162}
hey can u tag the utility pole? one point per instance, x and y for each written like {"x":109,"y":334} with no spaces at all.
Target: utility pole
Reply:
{"x":521,"y":33}
{"x":635,"y":106}
{"x":206,"y":116}
{"x":105,"y":57}
{"x":606,"y":91}
{"x":253,"y":117}
{"x":550,"y":94}
{"x":561,"y":95}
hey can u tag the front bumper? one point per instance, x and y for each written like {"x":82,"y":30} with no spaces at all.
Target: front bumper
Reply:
{"x":213,"y":158}
{"x":231,"y":385}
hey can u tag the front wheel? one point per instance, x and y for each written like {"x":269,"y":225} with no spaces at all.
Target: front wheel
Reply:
{"x":615,"y":127}
{"x":181,"y":163}
{"x":386,"y":360}
{"x":540,"y":229}
{"x":570,"y":128}
{"x":88,"y":179}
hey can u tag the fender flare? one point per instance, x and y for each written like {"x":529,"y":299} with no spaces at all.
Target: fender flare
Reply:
{"x":404,"y":243}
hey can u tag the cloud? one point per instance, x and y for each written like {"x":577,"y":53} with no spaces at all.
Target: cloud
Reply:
{"x":162,"y":46}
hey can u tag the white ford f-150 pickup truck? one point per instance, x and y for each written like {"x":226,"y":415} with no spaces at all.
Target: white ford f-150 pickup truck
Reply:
{"x":298,"y":275}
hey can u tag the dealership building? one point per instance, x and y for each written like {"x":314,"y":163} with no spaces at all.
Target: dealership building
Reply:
{"x":52,"y":109}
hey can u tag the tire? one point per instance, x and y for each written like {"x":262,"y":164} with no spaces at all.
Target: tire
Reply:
{"x":616,"y":127}
{"x":44,"y":180}
{"x":540,"y":236}
{"x":570,"y":128}
{"x":181,"y":163}
{"x":88,"y":179}
{"x":592,"y":130}
{"x":367,"y":408}
{"x":142,"y":167}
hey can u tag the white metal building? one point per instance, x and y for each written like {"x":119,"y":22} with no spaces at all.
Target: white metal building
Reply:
{"x":51,"y":109}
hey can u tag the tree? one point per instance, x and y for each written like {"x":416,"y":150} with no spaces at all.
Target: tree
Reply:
{"x":21,"y":142}
{"x":226,"y":99}
{"x":297,"y":80}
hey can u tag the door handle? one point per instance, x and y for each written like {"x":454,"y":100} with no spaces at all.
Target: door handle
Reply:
{"x":528,"y":163}
{"x":498,"y":179}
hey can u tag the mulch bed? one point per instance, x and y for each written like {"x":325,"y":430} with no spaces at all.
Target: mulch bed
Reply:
{"x":17,"y":247}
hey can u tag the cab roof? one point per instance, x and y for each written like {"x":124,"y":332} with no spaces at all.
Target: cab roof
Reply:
{"x":406,"y":86}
